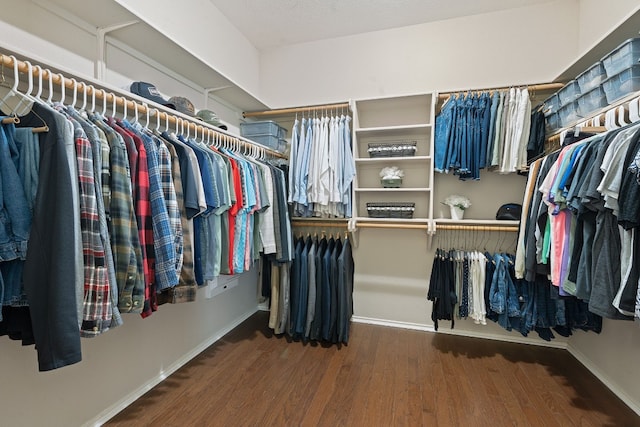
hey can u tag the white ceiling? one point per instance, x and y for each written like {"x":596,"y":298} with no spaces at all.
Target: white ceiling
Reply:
{"x":274,"y":23}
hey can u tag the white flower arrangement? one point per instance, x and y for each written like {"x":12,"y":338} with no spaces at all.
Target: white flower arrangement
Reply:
{"x":460,"y":202}
{"x":391,"y":172}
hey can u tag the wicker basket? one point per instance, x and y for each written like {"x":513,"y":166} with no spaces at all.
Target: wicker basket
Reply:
{"x":392,"y":149}
{"x":403,"y":210}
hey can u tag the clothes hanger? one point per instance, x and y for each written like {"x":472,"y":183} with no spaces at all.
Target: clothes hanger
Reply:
{"x":114,"y":106}
{"x":146,"y":109}
{"x":104,"y":102}
{"x":13,"y":90}
{"x":63,"y":89}
{"x":50,"y":94}
{"x":125,"y":108}
{"x":39,"y":92}
{"x":633,"y":110}
{"x":84,"y":97}
{"x":621,"y":116}
{"x":135,"y":112}
{"x":75,"y":93}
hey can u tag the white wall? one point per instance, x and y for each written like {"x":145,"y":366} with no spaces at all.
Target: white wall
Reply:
{"x":517,"y":46}
{"x":596,"y":19}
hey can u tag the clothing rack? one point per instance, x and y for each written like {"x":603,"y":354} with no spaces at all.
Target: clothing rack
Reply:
{"x":540,"y":87}
{"x":163,"y":115}
{"x":477,"y":227}
{"x":293,"y":110}
{"x":318,"y":223}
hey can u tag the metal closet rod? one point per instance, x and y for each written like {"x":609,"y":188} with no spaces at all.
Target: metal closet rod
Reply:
{"x":477,"y":227}
{"x":81,"y":87}
{"x":284,"y":111}
{"x":539,"y":87}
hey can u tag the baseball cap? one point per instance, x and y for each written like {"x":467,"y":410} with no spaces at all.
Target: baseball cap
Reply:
{"x":211,"y":118}
{"x":183,"y":105}
{"x":149,"y":91}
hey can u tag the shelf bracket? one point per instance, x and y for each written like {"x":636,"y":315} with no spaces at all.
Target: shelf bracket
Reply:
{"x":100,"y":65}
{"x":208,"y":90}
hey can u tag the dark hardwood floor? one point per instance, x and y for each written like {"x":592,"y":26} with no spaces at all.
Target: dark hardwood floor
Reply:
{"x":384,"y":377}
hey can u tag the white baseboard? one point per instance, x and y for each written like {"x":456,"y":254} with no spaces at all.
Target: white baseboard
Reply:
{"x":611,"y":385}
{"x":392,"y":323}
{"x":514,"y":338}
{"x":472,"y":334}
{"x":114,"y":409}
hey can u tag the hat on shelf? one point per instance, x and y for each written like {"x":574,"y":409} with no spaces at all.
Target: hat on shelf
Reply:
{"x":509,"y":212}
{"x":183,"y":105}
{"x":149,"y":91}
{"x":211,"y":118}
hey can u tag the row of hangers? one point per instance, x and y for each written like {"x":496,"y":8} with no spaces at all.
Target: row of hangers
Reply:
{"x":465,"y":240}
{"x":182,"y":126}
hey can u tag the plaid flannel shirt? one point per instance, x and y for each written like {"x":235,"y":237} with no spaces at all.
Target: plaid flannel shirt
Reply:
{"x":123,"y":228}
{"x":97,"y":311}
{"x":163,"y":239}
{"x":171,"y":201}
{"x":186,"y":289}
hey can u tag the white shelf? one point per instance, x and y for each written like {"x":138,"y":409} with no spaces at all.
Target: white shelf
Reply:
{"x":408,"y":130}
{"x":136,"y":39}
{"x":393,"y":159}
{"x":394,"y":190}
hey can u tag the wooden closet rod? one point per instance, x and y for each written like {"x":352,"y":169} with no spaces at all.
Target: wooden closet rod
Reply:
{"x":392,"y":225}
{"x":285,"y":111}
{"x":476,"y":227}
{"x":540,"y":87}
{"x":164,"y":113}
{"x":318,"y":223}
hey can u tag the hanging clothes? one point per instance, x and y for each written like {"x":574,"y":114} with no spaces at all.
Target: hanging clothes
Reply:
{"x":311,"y":297}
{"x":476,"y":131}
{"x":109,"y":217}
{"x":322,"y":167}
{"x":582,"y":234}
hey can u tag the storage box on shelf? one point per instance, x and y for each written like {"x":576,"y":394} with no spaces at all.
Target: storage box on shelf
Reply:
{"x":569,"y":93}
{"x":265,"y":127}
{"x":622,"y":84}
{"x":551,"y":105}
{"x":568,"y":114}
{"x":591,"y":101}
{"x":552,"y":122}
{"x":266,"y":132}
{"x":592,"y":77}
{"x":623,"y":57}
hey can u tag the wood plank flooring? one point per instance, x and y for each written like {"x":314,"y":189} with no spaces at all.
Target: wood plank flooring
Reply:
{"x":384,"y":377}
